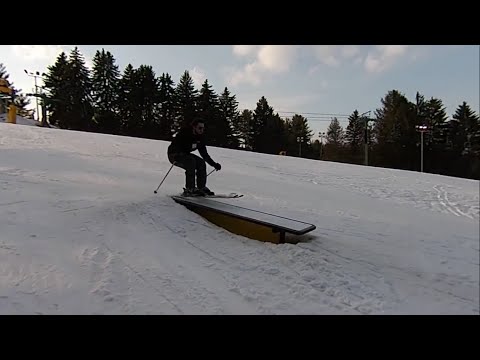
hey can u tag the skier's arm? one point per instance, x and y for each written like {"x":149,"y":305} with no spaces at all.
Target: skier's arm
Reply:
{"x":203,"y":152}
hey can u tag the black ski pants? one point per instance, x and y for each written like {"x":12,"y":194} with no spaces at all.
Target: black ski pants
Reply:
{"x":193,"y":165}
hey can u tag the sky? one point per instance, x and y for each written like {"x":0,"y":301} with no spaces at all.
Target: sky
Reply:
{"x":317,"y":81}
{"x":82,"y":232}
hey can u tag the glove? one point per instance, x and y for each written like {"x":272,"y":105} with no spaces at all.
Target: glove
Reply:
{"x":217,"y":166}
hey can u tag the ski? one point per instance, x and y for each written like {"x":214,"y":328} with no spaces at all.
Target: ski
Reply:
{"x":232,"y":195}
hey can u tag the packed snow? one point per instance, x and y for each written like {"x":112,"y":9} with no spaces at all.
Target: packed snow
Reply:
{"x":82,"y":232}
{"x":20,"y":120}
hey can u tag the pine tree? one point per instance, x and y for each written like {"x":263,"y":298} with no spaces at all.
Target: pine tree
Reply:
{"x":229,"y":111}
{"x":355,"y":131}
{"x":421,"y":110}
{"x":245,"y":126}
{"x":276,"y":129}
{"x":105,"y":92}
{"x":394,"y":130}
{"x":334,"y":141}
{"x":140,"y":99}
{"x":392,"y":118}
{"x":297,"y":132}
{"x":56,"y":84}
{"x":466,"y":137}
{"x":4,"y":76}
{"x":355,"y":136}
{"x":167,"y":106}
{"x":260,"y":137}
{"x":467,"y":117}
{"x":435,"y":117}
{"x":291,"y":146}
{"x":208,"y":108}
{"x":335,"y":133}
{"x":79,"y":88}
{"x":435,"y":112}
{"x":128,"y":109}
{"x":316,"y":149}
{"x":21,"y":102}
{"x":186,"y":96}
{"x":148,"y":99}
{"x":3,"y":72}
{"x":301,"y":128}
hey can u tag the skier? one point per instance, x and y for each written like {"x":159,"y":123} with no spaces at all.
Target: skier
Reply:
{"x":189,"y":139}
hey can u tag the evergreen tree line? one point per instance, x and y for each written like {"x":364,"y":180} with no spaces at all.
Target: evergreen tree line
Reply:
{"x":450,"y":146}
{"x":137,"y":102}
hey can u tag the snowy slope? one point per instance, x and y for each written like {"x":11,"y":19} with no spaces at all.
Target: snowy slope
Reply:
{"x":19,"y":120}
{"x":83,"y":233}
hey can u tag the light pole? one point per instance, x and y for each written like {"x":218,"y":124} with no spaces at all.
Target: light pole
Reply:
{"x":366,"y":134}
{"x":299,"y":140}
{"x":35,"y":76}
{"x":422,"y":129}
{"x":321,"y":135}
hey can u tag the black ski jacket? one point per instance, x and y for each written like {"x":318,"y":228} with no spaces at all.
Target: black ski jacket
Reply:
{"x":186,"y":141}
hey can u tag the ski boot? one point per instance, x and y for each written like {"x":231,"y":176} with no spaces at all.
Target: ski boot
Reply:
{"x":206,"y":191}
{"x":192,"y":192}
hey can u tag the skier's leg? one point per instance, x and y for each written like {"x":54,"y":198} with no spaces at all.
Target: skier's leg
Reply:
{"x":201,"y":169}
{"x":186,"y":162}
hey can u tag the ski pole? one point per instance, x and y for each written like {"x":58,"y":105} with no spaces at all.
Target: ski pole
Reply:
{"x":155,"y":191}
{"x":211,"y":172}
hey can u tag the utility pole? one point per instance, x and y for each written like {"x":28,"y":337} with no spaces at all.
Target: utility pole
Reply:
{"x":35,"y":76}
{"x":365,"y":140}
{"x":422,"y":129}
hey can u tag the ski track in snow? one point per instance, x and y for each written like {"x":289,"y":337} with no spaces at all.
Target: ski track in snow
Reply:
{"x":243,"y":278}
{"x":389,"y":185}
{"x":437,"y":197}
{"x":239,"y":286}
{"x":222,"y":283}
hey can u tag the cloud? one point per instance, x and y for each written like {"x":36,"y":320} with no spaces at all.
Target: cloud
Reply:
{"x":277,"y":59}
{"x":349,"y":51}
{"x":33,"y":58}
{"x":244,"y":50}
{"x":249,"y":74}
{"x":294,"y":101}
{"x":423,"y":52}
{"x":375,"y":59}
{"x":280,"y":103}
{"x":198,"y":76}
{"x":383,"y":57}
{"x":334,"y":55}
{"x":33,"y":53}
{"x":312,"y":70}
{"x":327,"y":54}
{"x":266,"y":59}
{"x":44,"y":55}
